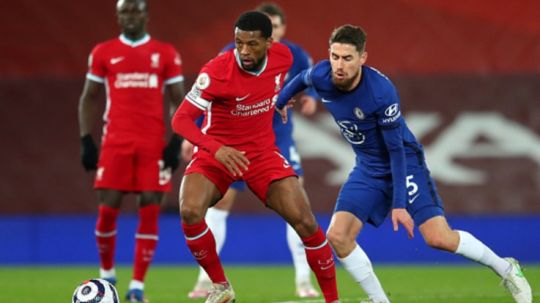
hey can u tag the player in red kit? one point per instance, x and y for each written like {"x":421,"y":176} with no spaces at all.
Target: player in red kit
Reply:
{"x":136,"y":70}
{"x":236,"y":91}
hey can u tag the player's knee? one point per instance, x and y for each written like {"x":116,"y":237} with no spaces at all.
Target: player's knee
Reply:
{"x":150,"y":200}
{"x":305,"y":225}
{"x":437,"y":240}
{"x":338,"y":240}
{"x":191,"y":214}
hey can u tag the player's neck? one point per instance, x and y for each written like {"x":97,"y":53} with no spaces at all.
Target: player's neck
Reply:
{"x":134,"y":42}
{"x":134,"y":37}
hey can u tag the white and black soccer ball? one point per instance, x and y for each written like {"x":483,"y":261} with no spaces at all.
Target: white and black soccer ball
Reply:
{"x":95,"y":291}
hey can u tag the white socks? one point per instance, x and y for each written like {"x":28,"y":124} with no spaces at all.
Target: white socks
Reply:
{"x":298,"y":253}
{"x":473,"y":249}
{"x":216,"y":219}
{"x":106,"y":274}
{"x":134,"y":284}
{"x":358,"y":265}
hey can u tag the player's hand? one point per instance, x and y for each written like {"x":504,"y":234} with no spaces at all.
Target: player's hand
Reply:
{"x":170,"y":153}
{"x":283,"y":111}
{"x":401,"y":216}
{"x":89,"y":153}
{"x":309,"y":105}
{"x":187,"y":151}
{"x":234,"y":160}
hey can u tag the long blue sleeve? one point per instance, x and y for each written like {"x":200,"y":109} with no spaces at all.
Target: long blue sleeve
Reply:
{"x":296,"y":85}
{"x":393,"y":139}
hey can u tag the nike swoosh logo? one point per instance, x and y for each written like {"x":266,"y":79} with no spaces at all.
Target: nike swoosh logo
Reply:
{"x":116,"y":60}
{"x":238,"y":99}
{"x":326,"y":101}
{"x":411,"y":200}
{"x":327,"y":267}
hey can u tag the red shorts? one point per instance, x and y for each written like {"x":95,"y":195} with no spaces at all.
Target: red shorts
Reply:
{"x":264,"y":167}
{"x":132,"y":164}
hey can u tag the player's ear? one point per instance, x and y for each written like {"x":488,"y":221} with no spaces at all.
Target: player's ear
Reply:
{"x":269,"y":41}
{"x":363,"y":57}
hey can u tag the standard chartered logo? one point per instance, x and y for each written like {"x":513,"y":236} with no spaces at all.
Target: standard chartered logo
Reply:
{"x":136,"y":80}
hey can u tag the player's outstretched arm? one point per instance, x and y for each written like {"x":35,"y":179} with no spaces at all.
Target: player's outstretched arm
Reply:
{"x":285,"y":99}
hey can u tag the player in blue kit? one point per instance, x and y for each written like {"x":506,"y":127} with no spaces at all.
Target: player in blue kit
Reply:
{"x":390,"y":176}
{"x":216,"y":216}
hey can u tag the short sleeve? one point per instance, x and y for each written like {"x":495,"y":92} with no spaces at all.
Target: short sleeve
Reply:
{"x":173,"y":67}
{"x":97,"y":70}
{"x":201,"y":93}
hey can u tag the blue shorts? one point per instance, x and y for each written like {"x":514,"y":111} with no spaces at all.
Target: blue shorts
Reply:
{"x":287,"y":148}
{"x":369,"y":198}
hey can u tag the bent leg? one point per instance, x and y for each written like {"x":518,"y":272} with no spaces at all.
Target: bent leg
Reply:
{"x":304,"y":288}
{"x":216,"y":219}
{"x":342,"y":233}
{"x":438,"y":234}
{"x":197,"y":193}
{"x":289,"y":200}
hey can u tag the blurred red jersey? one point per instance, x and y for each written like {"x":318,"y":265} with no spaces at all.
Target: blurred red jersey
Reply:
{"x":238,"y":104}
{"x":134,"y":74}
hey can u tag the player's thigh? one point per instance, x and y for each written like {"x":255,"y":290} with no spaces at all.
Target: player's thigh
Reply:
{"x":197,"y":193}
{"x":266,"y":168}
{"x":212,"y":170}
{"x":115,"y":168}
{"x":150,"y":175}
{"x":435,"y":227}
{"x":367,"y":198}
{"x":287,"y":198}
{"x":227,"y":201}
{"x":423,"y":201}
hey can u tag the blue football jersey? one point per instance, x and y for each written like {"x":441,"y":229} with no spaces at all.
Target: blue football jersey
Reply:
{"x":369,"y":118}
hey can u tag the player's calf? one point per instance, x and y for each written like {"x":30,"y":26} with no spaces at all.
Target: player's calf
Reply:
{"x":321,"y":260}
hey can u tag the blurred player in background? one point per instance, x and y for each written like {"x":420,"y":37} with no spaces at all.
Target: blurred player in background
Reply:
{"x":391,"y":175}
{"x":216,"y":217}
{"x":237,"y":91}
{"x":135,"y":70}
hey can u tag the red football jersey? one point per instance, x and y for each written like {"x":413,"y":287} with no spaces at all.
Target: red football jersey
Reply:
{"x":239,"y":104}
{"x":134,"y":74}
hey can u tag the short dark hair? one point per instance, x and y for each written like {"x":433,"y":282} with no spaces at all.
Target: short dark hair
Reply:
{"x":141,"y":2}
{"x":271,"y":9}
{"x":255,"y":21}
{"x":349,"y":34}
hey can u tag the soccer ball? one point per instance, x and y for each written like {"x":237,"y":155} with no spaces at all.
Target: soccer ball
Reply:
{"x":95,"y":291}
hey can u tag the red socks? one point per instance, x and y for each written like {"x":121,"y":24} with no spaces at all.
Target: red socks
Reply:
{"x":202,"y":245}
{"x":106,"y":235}
{"x":321,"y":260}
{"x":145,"y":240}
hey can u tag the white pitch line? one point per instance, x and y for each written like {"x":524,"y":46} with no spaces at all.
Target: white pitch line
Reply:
{"x":416,"y":298}
{"x":321,"y":300}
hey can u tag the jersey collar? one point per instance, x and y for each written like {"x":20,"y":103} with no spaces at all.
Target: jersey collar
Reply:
{"x":237,"y":56}
{"x":136,"y":43}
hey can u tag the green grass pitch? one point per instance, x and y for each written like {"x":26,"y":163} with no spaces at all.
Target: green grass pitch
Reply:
{"x":260,"y":284}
